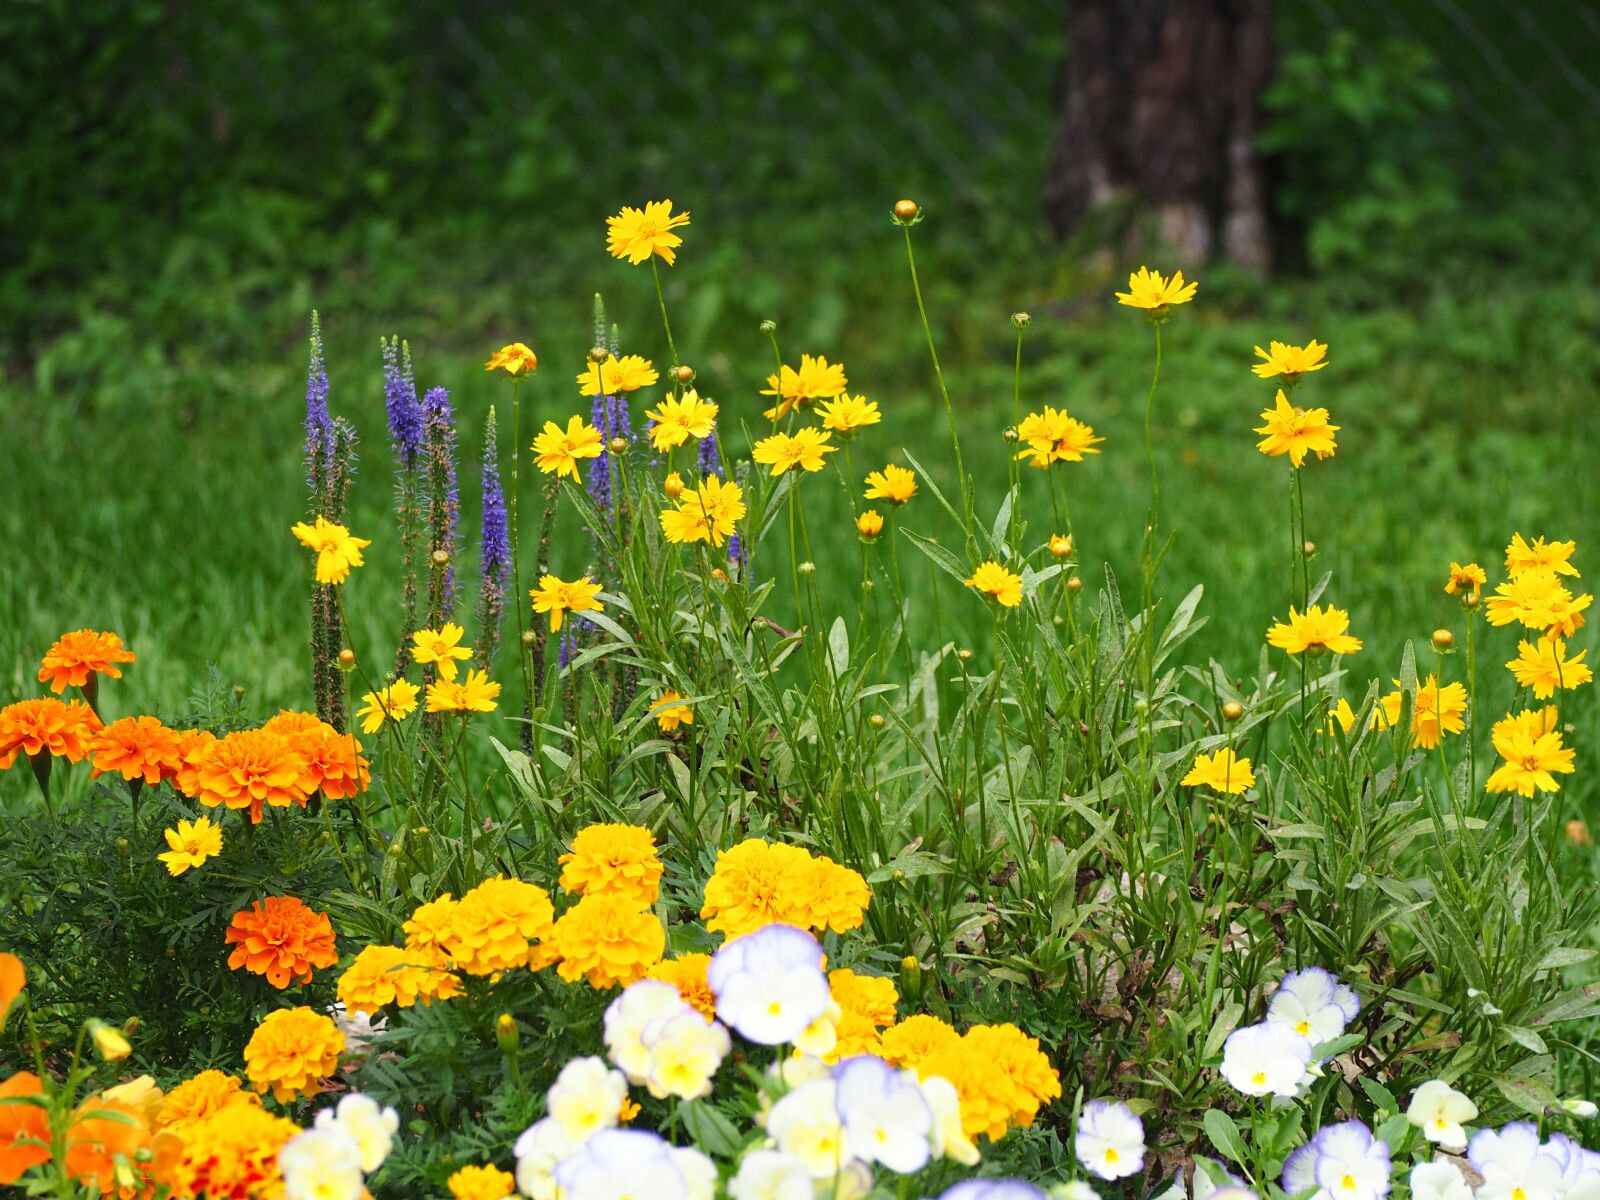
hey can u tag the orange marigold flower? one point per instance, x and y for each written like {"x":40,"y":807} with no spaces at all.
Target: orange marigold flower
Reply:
{"x":24,"y":1128}
{"x":618,"y":860}
{"x":46,"y":726}
{"x":495,"y":925}
{"x":192,"y":743}
{"x":75,"y":656}
{"x":383,"y":975}
{"x":687,"y":973}
{"x":609,"y":939}
{"x":758,"y":883}
{"x":1000,"y":1074}
{"x":291,"y":1051}
{"x":281,"y":938}
{"x":233,"y":1153}
{"x":429,"y":926}
{"x":334,"y":764}
{"x":137,"y":748}
{"x":250,"y":769}
{"x":199,"y":1097}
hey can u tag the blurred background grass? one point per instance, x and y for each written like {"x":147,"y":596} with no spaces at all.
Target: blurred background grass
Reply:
{"x":183,"y":184}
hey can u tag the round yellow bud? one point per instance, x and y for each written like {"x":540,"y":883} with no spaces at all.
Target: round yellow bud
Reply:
{"x":347,"y":659}
{"x":1470,"y":600}
{"x":876,"y":720}
{"x":238,"y":691}
{"x":808,"y":568}
{"x":530,"y":638}
{"x":1232,"y":710}
{"x":905,"y":210}
{"x":964,"y":654}
{"x":1443,"y":639}
{"x":618,"y":445}
{"x":440,"y":558}
{"x":598,"y":354}
{"x":683,"y":373}
{"x":1060,"y":545}
{"x":1309,"y":548}
{"x":1074,"y":585}
{"x":673,"y":486}
{"x":869,"y":524}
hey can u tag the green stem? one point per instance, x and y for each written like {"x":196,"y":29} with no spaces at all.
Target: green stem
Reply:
{"x":655,"y":274}
{"x":944,"y":392}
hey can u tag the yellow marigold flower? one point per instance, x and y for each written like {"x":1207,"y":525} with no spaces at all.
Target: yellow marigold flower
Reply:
{"x":495,"y":925}
{"x":1541,"y":555}
{"x":635,"y":234}
{"x":441,"y":648}
{"x":46,"y":726}
{"x":199,"y":1097}
{"x":233,"y":1153}
{"x":486,"y":1182}
{"x":249,"y":769}
{"x":870,"y":523}
{"x":1291,"y":362}
{"x":893,"y":484}
{"x":282,"y":939}
{"x":837,"y":898}
{"x":558,"y":597}
{"x":337,"y":551}
{"x":672,"y":485}
{"x":136,"y":748}
{"x":847,"y":415}
{"x":817,"y":379}
{"x":608,"y":939}
{"x":1153,"y":292}
{"x":996,"y":582}
{"x":1296,"y":432}
{"x":74,"y":657}
{"x":679,"y":418}
{"x":556,"y":451}
{"x":1052,"y":436}
{"x":1223,"y":772}
{"x":384,"y":975}
{"x":1544,"y":667}
{"x":1317,"y":629}
{"x":1436,"y":711}
{"x":617,"y":375}
{"x":804,"y":449}
{"x":514,"y":359}
{"x":757,"y":883}
{"x":1531,"y":747}
{"x":670,"y":715}
{"x":1465,"y":580}
{"x":914,"y":1040}
{"x":873,"y":996}
{"x":429,"y":926}
{"x":191,"y":843}
{"x":614,"y":860}
{"x":291,"y":1052}
{"x":1000,"y":1074}
{"x":395,"y":702}
{"x":475,"y":693}
{"x":687,"y":973}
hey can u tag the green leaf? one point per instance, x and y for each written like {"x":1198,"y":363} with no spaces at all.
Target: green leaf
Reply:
{"x":941,"y":557}
{"x":710,"y":1129}
{"x":912,"y":864}
{"x":1380,"y":1096}
{"x":1529,"y":1095}
{"x":1225,"y":1136}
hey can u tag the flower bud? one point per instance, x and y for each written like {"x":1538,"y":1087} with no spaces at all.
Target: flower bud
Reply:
{"x":530,"y":638}
{"x":1010,"y":434}
{"x":109,"y":1043}
{"x":768,"y":328}
{"x":238,"y":691}
{"x":1308,"y":548}
{"x":1021,"y":320}
{"x":869,"y":524}
{"x":420,"y":831}
{"x":131,"y":1027}
{"x":876,"y":720}
{"x":1443,"y":639}
{"x":911,"y":978}
{"x":618,"y":445}
{"x":1586,"y":1109}
{"x":1060,"y":545}
{"x":964,"y":654}
{"x":506,"y":1035}
{"x":673,"y":486}
{"x":808,"y":568}
{"x":683,"y":373}
{"x":1232,"y":710}
{"x":440,"y":559}
{"x":598,"y":354}
{"x":1470,"y":600}
{"x":719,"y":575}
{"x":122,"y":847}
{"x":1074,"y":585}
{"x":905,"y":210}
{"x":347,"y":660}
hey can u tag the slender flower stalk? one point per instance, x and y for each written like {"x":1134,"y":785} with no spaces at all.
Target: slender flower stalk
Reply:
{"x":404,"y":412}
{"x":443,"y":502}
{"x":494,"y":559}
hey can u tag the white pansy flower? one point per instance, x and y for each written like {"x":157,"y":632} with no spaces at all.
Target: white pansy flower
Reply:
{"x":685,"y":1053}
{"x":540,"y":1147}
{"x":586,"y":1097}
{"x":1080,"y":1190}
{"x":1351,"y":1163}
{"x":771,"y":1175}
{"x":770,"y":984}
{"x":1314,"y":1004}
{"x":1440,"y":1112}
{"x":371,"y":1126}
{"x":321,"y":1164}
{"x":617,"y":1164}
{"x":1266,"y":1059}
{"x":1515,"y":1164}
{"x":630,"y":1014}
{"x":886,"y":1117}
{"x":806,"y":1124}
{"x":1439,"y":1180}
{"x":1109,"y":1140}
{"x":699,"y":1172}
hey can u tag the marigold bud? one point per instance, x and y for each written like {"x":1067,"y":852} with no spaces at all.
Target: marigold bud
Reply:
{"x":905,"y":210}
{"x":911,"y":978}
{"x":598,"y":354}
{"x":1232,"y":710}
{"x":1060,"y":545}
{"x":440,"y":558}
{"x":1021,"y":320}
{"x":347,"y":659}
{"x":1443,"y":639}
{"x":768,"y":328}
{"x":618,"y":445}
{"x":238,"y":691}
{"x":1074,"y":585}
{"x":131,"y":1027}
{"x":683,"y":373}
{"x":506,"y":1034}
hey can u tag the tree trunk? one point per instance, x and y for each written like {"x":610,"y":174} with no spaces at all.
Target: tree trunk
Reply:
{"x":1160,"y":110}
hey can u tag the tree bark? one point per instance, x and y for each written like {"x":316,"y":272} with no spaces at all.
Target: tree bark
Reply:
{"x":1160,"y":108}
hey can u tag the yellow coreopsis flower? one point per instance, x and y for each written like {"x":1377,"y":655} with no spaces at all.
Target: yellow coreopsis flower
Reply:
{"x":1052,"y":436}
{"x":1537,"y":599}
{"x":1384,"y":714}
{"x":1466,"y":580}
{"x":1541,"y":555}
{"x":637,"y":233}
{"x":1531,"y":747}
{"x":1295,"y":431}
{"x":708,"y":514}
{"x":804,"y":449}
{"x":1544,"y":667}
{"x":847,"y":414}
{"x":442,"y":648}
{"x":617,"y":375}
{"x":670,"y":713}
{"x":475,"y":693}
{"x":395,"y":702}
{"x":817,"y":379}
{"x":515,"y":359}
{"x":558,"y":597}
{"x":190,"y":844}
{"x":337,"y":551}
{"x":1291,"y":362}
{"x":1223,"y":772}
{"x":893,"y":484}
{"x":1436,"y":711}
{"x":1154,"y":293}
{"x":997,"y":583}
{"x":869,"y":524}
{"x":1315,"y":630}
{"x":557,"y":451}
{"x":679,"y":418}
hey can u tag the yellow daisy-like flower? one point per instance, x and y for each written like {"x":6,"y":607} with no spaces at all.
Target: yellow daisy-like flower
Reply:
{"x":558,"y":597}
{"x":609,"y":940}
{"x":679,"y":418}
{"x":1436,"y":711}
{"x":637,"y":233}
{"x":1537,"y":599}
{"x":291,"y":1052}
{"x":869,"y":524}
{"x":708,"y":514}
{"x":486,"y":1182}
{"x":999,"y":584}
{"x":496,"y":925}
{"x":395,"y":702}
{"x":200,"y":1097}
{"x":440,"y":648}
{"x":669,"y":713}
{"x":803,"y":449}
{"x":1223,"y":772}
{"x":556,"y":451}
{"x":613,"y":860}
{"x":893,"y":485}
{"x":191,"y":843}
{"x":817,"y":379}
{"x":475,"y":693}
{"x":1531,"y":747}
{"x":848,"y":414}
{"x":337,"y":551}
{"x":617,"y":375}
{"x":514,"y":359}
{"x":1545,"y":667}
{"x":1153,"y":292}
{"x":384,"y":975}
{"x":1296,"y":431}
{"x":1541,"y":555}
{"x":1384,"y":714}
{"x":1465,"y":580}
{"x":1291,"y":362}
{"x":1052,"y":436}
{"x":1317,"y":629}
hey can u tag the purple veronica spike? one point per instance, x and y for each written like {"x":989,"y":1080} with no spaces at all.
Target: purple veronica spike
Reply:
{"x":400,"y":402}
{"x":710,"y":462}
{"x":319,"y":424}
{"x":600,"y":466}
{"x":495,"y":553}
